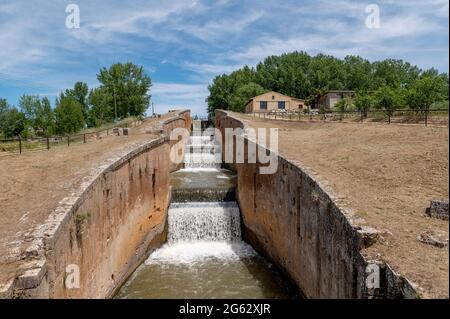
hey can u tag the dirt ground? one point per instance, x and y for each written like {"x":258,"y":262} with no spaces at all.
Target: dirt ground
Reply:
{"x":32,"y":185}
{"x":387,"y":174}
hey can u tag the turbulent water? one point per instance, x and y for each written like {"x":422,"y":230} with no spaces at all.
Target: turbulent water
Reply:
{"x":204,"y":256}
{"x":208,"y":221}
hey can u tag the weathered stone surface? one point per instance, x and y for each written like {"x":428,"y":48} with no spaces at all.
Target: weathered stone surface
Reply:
{"x":292,"y":218}
{"x":438,"y":209}
{"x":434,"y":238}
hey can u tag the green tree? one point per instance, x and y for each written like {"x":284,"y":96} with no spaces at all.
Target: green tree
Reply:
{"x":300,"y":75}
{"x":80,"y":93}
{"x":68,"y":115}
{"x":287,"y":74}
{"x":364,"y":102}
{"x":430,"y":88}
{"x":101,"y":110}
{"x":129,"y":87}
{"x":358,"y":73}
{"x":46,"y":117}
{"x":220,"y":95}
{"x":327,"y":73}
{"x":394,"y":73}
{"x":389,"y":99}
{"x":12,"y":122}
{"x":243,"y":94}
{"x":3,"y":105}
{"x":29,"y":105}
{"x":38,"y":114}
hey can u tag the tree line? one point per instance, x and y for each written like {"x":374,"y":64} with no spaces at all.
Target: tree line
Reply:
{"x":387,"y":84}
{"x":123,"y":92}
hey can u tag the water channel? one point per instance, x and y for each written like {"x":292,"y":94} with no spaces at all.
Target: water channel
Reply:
{"x":205,"y":256}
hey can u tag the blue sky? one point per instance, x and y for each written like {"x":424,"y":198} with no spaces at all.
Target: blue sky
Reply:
{"x":184,"y":44}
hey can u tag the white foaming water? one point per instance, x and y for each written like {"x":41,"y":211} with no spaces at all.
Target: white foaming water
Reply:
{"x":193,"y":252}
{"x":201,"y":231}
{"x":209,"y":221}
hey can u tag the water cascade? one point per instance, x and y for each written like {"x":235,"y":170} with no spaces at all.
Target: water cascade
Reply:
{"x":205,"y":256}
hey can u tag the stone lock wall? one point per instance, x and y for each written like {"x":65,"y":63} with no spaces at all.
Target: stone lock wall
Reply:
{"x":106,"y":228}
{"x":121,"y":216}
{"x":293,"y":219}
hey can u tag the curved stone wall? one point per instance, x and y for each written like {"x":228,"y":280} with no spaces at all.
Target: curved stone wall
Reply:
{"x":106,"y":228}
{"x":293,"y":218}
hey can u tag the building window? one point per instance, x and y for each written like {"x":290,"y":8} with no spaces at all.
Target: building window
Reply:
{"x":273,"y":97}
{"x":263,"y":105}
{"x":281,"y":105}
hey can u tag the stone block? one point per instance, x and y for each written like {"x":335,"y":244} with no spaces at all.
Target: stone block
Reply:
{"x":438,"y":209}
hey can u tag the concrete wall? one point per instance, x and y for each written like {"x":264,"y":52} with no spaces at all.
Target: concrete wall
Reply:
{"x":330,"y":99}
{"x":106,"y":228}
{"x":293,"y":219}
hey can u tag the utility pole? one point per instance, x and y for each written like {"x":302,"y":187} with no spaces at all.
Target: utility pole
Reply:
{"x":153,"y":108}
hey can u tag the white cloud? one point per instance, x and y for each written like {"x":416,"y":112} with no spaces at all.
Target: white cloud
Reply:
{"x":211,"y":69}
{"x":167,"y":96}
{"x":215,"y":30}
{"x":202,"y":39}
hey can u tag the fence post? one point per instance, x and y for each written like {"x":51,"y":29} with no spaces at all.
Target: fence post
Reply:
{"x":362,"y":115}
{"x":107,"y":132}
{"x":389,"y":118}
{"x":68,"y":140}
{"x":426,"y":118}
{"x":84,"y":138}
{"x":20,"y":145}
{"x":48,"y":143}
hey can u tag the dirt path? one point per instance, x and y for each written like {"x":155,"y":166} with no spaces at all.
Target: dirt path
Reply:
{"x":32,"y":185}
{"x":387,"y":174}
